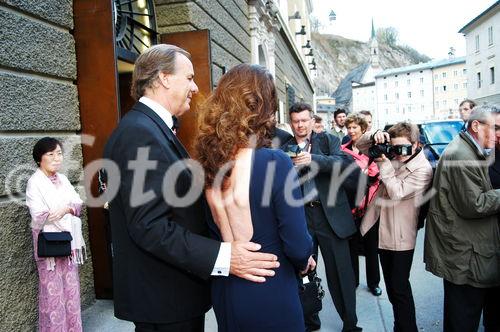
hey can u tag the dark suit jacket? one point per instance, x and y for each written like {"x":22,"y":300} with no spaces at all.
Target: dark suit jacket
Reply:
{"x":495,"y":171}
{"x":161,"y":257}
{"x":282,"y":136}
{"x":325,"y":151}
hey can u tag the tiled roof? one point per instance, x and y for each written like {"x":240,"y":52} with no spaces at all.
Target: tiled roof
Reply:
{"x":343,"y":94}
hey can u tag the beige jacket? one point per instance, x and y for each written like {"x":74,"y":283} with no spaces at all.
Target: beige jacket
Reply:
{"x":398,"y":202}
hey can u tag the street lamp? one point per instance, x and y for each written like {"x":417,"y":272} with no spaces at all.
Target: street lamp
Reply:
{"x":307,"y":45}
{"x":310,"y":52}
{"x":302,"y":31}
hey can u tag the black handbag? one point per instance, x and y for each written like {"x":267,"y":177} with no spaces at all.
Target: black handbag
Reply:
{"x":54,"y":244}
{"x":311,"y":294}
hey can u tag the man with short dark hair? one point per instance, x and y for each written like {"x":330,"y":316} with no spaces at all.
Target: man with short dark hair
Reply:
{"x":162,"y":256}
{"x":465,"y":108}
{"x":330,"y":225}
{"x":462,"y":234}
{"x":338,"y":124}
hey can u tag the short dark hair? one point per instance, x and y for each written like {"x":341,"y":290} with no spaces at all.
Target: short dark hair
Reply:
{"x":471,"y":102}
{"x":317,"y":118}
{"x":299,"y":107}
{"x":339,"y":111}
{"x":43,"y":146}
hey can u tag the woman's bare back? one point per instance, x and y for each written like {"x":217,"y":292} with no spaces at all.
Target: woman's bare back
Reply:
{"x":231,"y":207}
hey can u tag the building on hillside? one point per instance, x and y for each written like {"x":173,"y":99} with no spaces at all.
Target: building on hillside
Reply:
{"x":482,"y":39}
{"x":364,"y":97}
{"x":408,"y":93}
{"x":360,"y":82}
{"x":65,"y":72}
{"x":450,"y":88}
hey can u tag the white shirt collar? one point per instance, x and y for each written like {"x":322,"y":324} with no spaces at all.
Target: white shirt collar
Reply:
{"x":338,"y":129}
{"x":162,"y":112}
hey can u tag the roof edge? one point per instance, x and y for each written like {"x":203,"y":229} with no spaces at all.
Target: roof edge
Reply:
{"x":466,"y":27}
{"x":421,"y":66}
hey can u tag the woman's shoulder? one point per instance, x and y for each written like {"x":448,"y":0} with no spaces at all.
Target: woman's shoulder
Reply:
{"x":36,"y":178}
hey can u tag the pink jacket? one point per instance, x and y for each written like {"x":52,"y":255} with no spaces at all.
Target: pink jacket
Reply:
{"x":372,"y":171}
{"x":398,"y":202}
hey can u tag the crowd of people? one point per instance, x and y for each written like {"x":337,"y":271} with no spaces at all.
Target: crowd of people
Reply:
{"x":269,"y":202}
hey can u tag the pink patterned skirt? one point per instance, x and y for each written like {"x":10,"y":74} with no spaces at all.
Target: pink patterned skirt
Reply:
{"x":58,"y":295}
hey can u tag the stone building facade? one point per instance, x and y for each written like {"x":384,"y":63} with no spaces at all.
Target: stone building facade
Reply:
{"x":482,"y":40}
{"x":255,"y":31}
{"x":40,"y":96}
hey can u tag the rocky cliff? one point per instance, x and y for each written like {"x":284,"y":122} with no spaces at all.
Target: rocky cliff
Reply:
{"x":336,"y":56}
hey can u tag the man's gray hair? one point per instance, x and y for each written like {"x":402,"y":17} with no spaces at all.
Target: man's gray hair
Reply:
{"x":482,"y":114}
{"x":156,"y":59}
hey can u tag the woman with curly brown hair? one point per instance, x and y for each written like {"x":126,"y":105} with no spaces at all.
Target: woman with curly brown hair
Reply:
{"x":248,"y":194}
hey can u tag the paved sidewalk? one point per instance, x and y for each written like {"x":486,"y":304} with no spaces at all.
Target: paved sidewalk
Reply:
{"x":374,"y":313}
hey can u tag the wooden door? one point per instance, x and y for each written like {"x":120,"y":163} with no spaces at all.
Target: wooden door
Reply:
{"x":99,"y":105}
{"x":197,"y":43}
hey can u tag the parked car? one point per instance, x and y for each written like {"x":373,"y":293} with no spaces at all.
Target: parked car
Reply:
{"x":435,"y":136}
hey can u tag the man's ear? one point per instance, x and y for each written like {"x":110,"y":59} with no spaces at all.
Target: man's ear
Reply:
{"x":164,"y":79}
{"x":475,"y":126}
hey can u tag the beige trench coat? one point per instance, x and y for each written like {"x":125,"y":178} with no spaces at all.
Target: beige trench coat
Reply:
{"x":398,"y":202}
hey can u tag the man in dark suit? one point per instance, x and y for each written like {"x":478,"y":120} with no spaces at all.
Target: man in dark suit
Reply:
{"x":491,"y":319}
{"x":330,"y":223}
{"x":162,"y":257}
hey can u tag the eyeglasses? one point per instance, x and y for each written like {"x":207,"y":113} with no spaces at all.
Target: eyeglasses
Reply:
{"x":52,"y":154}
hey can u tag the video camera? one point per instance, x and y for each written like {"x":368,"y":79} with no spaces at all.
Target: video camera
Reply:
{"x":389,"y":150}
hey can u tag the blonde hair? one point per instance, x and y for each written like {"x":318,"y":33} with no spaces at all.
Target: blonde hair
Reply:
{"x":357,"y":119}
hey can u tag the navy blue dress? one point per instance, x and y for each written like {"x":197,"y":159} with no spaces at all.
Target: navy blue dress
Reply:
{"x":281,"y":229}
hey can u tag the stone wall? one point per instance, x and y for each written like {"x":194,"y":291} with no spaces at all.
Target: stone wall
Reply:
{"x":38,"y":97}
{"x":227,"y":21}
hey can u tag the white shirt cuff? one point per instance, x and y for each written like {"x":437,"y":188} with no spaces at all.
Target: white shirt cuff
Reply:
{"x":223,"y":262}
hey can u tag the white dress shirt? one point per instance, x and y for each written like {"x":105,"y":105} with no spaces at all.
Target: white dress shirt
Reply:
{"x":223,"y":262}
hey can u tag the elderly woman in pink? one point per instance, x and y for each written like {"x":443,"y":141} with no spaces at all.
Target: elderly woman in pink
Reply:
{"x":55,"y":207}
{"x":356,"y":126}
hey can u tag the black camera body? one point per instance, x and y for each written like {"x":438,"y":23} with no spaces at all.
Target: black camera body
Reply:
{"x":390,"y":151}
{"x":293,"y":150}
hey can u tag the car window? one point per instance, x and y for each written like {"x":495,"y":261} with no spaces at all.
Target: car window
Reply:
{"x":441,"y":132}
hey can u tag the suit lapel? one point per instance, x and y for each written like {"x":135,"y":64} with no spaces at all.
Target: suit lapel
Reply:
{"x":164,"y":128}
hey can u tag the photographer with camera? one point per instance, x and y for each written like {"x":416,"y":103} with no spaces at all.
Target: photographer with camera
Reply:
{"x":405,"y":175}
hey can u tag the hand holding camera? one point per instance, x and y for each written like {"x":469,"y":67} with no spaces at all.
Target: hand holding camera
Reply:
{"x":299,"y":156}
{"x":382,"y":150}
